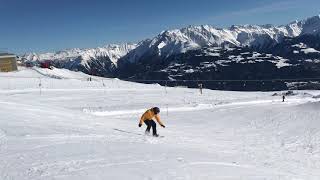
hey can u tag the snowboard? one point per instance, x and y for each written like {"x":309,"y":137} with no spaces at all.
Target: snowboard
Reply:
{"x":139,"y":134}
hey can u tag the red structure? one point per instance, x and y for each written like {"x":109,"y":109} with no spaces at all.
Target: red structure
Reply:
{"x":46,"y":64}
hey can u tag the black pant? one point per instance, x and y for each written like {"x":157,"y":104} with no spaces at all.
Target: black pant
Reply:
{"x":151,"y":123}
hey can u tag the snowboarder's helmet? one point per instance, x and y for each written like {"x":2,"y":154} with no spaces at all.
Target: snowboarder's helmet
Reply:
{"x":156,"y":110}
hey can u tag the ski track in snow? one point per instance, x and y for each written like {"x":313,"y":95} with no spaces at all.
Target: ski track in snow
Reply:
{"x":65,"y":167}
{"x":3,"y":141}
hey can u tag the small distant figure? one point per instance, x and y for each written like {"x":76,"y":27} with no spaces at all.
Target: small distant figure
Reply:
{"x":200,"y":87}
{"x":147,"y":118}
{"x":283,"y":98}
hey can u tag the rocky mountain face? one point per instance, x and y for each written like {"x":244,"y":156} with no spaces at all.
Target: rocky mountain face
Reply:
{"x":211,"y":56}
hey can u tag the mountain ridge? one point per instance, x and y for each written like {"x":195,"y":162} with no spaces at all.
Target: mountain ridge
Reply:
{"x":181,"y":40}
{"x":208,"y":53}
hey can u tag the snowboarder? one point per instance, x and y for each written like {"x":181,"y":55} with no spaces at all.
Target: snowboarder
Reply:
{"x":283,"y":98}
{"x":147,"y":118}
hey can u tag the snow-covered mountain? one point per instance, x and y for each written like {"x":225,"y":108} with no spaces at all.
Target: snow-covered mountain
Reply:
{"x":155,"y":58}
{"x":239,"y":52}
{"x":177,"y":41}
{"x":190,"y":38}
{"x":113,"y":52}
{"x":194,"y":37}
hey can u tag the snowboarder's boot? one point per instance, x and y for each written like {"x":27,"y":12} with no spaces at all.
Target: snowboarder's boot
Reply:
{"x":156,"y":135}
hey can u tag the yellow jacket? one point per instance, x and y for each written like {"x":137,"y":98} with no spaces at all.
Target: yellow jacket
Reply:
{"x":149,"y":115}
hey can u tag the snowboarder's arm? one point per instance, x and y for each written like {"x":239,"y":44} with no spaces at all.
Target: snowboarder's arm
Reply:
{"x":157,"y":117}
{"x":142,"y":118}
{"x":141,"y":121}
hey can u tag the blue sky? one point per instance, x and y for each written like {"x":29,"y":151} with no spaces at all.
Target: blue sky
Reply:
{"x":51,"y":25}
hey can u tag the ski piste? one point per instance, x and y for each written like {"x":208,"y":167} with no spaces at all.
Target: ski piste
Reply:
{"x":139,"y":134}
{"x":217,"y":135}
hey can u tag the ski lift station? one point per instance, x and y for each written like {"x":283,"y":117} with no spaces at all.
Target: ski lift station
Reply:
{"x":8,"y":62}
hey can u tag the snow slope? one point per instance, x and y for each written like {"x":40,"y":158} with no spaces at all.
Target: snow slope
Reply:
{"x":78,"y":129}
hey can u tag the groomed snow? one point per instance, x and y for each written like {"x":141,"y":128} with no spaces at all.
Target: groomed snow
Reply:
{"x":78,"y":129}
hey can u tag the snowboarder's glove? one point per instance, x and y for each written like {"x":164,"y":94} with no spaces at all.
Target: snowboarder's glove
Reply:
{"x":163,"y":126}
{"x":140,"y":125}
